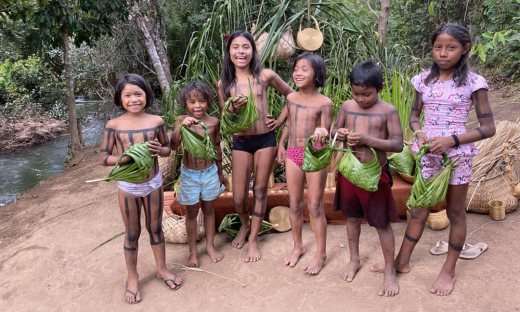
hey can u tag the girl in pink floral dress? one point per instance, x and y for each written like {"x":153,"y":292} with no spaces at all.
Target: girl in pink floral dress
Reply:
{"x":446,"y":93}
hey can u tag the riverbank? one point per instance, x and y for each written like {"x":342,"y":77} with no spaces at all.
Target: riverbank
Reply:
{"x":29,"y":130}
{"x":47,"y":263}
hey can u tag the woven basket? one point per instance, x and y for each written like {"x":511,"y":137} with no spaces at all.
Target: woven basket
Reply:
{"x":497,"y":187}
{"x":408,"y":178}
{"x":309,"y":39}
{"x":279,"y":218}
{"x":496,"y":210}
{"x":169,"y":167}
{"x":438,"y":220}
{"x":285,"y":48}
{"x":174,"y":228}
{"x":229,"y":182}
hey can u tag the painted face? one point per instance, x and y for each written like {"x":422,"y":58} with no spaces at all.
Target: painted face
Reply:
{"x":364,"y":96}
{"x":447,"y":51}
{"x":133,"y":98}
{"x":196,"y":104}
{"x":240,"y":52}
{"x":303,"y":74}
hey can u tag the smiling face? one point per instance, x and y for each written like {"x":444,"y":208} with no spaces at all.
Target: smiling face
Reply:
{"x":240,"y":52}
{"x":366,"y":97}
{"x":303,"y":74}
{"x":196,"y":104}
{"x":133,"y":98}
{"x":447,"y":51}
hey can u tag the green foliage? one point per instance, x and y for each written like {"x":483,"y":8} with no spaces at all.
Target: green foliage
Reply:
{"x":29,"y":84}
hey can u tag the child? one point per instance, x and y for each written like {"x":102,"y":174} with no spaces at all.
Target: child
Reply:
{"x":364,"y":123}
{"x":199,"y":178}
{"x":133,"y":94}
{"x":309,"y":112}
{"x":446,"y":93}
{"x":254,"y":148}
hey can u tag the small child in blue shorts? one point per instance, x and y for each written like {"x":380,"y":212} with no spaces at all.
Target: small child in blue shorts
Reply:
{"x":201,"y":181}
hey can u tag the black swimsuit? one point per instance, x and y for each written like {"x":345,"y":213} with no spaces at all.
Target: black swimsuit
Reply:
{"x":253,"y":143}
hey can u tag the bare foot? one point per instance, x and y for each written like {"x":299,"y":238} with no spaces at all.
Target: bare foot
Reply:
{"x":214,"y":255}
{"x":390,"y":286}
{"x":400,"y":268}
{"x":293,"y":258}
{"x":351,"y":270}
{"x":253,"y":253}
{"x":240,"y":239}
{"x":316,"y":265}
{"x":193,"y":261}
{"x":172,"y":281}
{"x":443,"y":286}
{"x":132,"y":293}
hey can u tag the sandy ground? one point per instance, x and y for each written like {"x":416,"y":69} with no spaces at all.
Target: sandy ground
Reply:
{"x":46,"y":264}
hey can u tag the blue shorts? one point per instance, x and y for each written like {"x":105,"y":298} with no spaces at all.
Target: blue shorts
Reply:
{"x":199,"y":184}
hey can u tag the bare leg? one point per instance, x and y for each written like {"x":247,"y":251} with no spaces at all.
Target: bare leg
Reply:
{"x":191,"y":231}
{"x":412,"y":235}
{"x":153,"y":208}
{"x":353,"y":233}
{"x":241,"y":171}
{"x":130,"y":207}
{"x":295,"y":183}
{"x":456,"y":198}
{"x":390,"y":286}
{"x":263,"y":160}
{"x":316,"y":189}
{"x":209,"y":226}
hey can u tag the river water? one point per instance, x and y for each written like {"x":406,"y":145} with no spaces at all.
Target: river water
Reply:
{"x":23,"y":169}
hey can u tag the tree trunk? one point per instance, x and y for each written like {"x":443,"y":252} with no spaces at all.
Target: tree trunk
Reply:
{"x":383,"y":20}
{"x":158,"y":39}
{"x":152,"y":53}
{"x":75,"y":134}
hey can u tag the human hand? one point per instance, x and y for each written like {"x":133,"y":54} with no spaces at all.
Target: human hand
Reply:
{"x":272,"y":123}
{"x":238,"y":102}
{"x":188,"y":121}
{"x":222,"y":179}
{"x":439,"y":145}
{"x":281,"y":156}
{"x":321,"y":133}
{"x":357,"y":138}
{"x":421,"y":139}
{"x":125,"y":160}
{"x":342,"y":134}
{"x":154,"y":147}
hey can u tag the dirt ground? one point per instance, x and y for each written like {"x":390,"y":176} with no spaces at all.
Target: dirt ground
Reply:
{"x":46,"y":263}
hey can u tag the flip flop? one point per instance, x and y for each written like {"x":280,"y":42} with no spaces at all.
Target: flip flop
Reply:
{"x":441,"y":247}
{"x":177,"y":286}
{"x":134,"y":293}
{"x":472,"y":251}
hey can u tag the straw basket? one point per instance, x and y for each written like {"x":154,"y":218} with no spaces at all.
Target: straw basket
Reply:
{"x":497,"y":211}
{"x":169,"y":167}
{"x":229,"y":182}
{"x":279,"y":218}
{"x":481,"y":192}
{"x":285,"y":48}
{"x":331,"y":180}
{"x":309,"y":39}
{"x":438,"y":220}
{"x":270,"y":182}
{"x":174,"y":228}
{"x":408,"y":178}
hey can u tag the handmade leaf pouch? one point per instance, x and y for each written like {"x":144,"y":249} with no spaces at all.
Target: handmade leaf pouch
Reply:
{"x":402,"y":162}
{"x":362,"y":175}
{"x":316,"y":159}
{"x":134,"y":172}
{"x":242,"y":120}
{"x":200,"y":147}
{"x":429,"y":193}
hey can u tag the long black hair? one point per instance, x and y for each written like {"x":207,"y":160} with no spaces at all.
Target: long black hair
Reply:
{"x":135,"y":80}
{"x":228,"y":77}
{"x":461,"y":72}
{"x":199,"y":87}
{"x":318,"y":65}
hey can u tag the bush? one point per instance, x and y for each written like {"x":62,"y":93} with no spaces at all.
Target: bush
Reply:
{"x":28,"y":84}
